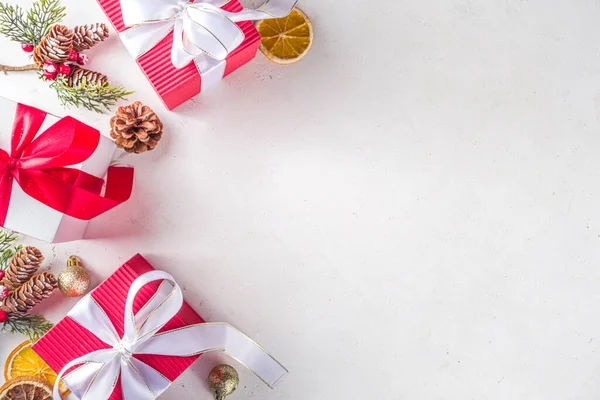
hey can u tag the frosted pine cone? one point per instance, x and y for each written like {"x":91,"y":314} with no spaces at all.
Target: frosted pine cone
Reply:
{"x":22,"y":266}
{"x":78,"y":74}
{"x":87,"y":36}
{"x":136,"y":128}
{"x":30,"y":294}
{"x":55,"y":47}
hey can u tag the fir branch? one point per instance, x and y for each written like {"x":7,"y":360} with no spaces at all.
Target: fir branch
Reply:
{"x":94,"y":97}
{"x":13,"y":23}
{"x":30,"y":27}
{"x":7,"y":247}
{"x":42,"y":16}
{"x":31,"y":326}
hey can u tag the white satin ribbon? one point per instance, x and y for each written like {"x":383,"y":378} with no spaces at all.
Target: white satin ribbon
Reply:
{"x":98,"y":372}
{"x":200,"y":29}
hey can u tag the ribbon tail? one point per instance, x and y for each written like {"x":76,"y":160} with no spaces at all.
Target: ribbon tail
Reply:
{"x":140,"y":381}
{"x":181,"y":55}
{"x":210,"y":69}
{"x":202,"y":338}
{"x":119,"y":185}
{"x":80,"y":378}
{"x":6,"y":181}
{"x":102,"y":382}
{"x":70,"y":199}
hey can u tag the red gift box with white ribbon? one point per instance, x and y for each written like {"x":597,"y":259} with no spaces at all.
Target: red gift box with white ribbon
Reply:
{"x":184,"y":47}
{"x":133,"y":335}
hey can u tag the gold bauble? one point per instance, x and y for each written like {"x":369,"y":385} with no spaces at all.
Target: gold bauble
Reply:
{"x":74,"y":281}
{"x":223,"y":380}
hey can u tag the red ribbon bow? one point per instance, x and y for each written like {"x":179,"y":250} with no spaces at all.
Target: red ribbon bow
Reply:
{"x":40,"y":167}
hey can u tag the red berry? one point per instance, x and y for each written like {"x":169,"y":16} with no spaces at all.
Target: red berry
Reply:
{"x":3,"y":292}
{"x":50,"y":70}
{"x":1,"y":274}
{"x":64,"y":69}
{"x":3,"y":316}
{"x":82,"y":59}
{"x":27,"y":48}
{"x":73,"y":55}
{"x":50,"y":77}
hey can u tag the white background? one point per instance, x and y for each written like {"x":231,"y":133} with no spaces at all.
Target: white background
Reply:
{"x":409,"y":213}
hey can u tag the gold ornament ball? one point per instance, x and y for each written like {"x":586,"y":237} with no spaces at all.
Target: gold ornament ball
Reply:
{"x":74,"y":281}
{"x":223,"y":380}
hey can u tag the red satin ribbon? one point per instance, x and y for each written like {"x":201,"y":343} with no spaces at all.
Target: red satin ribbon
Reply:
{"x":40,"y":167}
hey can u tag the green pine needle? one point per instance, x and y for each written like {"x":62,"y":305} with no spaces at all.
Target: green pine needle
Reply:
{"x":42,"y":16}
{"x":30,"y":27}
{"x":31,"y":326}
{"x":7,"y":247}
{"x":94,"y":97}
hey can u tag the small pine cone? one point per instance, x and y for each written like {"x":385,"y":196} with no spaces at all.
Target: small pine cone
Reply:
{"x":22,"y":267}
{"x":87,"y":36}
{"x":22,"y":300}
{"x":55,"y":47}
{"x":136,"y":128}
{"x":91,"y":77}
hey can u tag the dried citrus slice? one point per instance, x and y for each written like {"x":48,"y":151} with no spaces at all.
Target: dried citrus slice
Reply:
{"x":26,"y":388}
{"x":286,"y":40}
{"x":23,"y":361}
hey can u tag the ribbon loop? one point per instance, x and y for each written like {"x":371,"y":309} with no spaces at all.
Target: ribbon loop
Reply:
{"x":200,"y":28}
{"x":98,"y":375}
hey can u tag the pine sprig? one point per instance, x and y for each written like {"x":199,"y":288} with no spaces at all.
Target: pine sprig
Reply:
{"x":94,"y":97}
{"x":13,"y":23}
{"x":7,"y":247}
{"x":31,"y":326}
{"x":42,"y":16}
{"x":30,"y":27}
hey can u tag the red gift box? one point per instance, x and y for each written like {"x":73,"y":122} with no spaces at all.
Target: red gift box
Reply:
{"x":176,"y":86}
{"x":68,"y":340}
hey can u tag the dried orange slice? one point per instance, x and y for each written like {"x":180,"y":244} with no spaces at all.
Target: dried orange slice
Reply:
{"x":26,"y":388}
{"x":23,"y":361}
{"x":286,"y":40}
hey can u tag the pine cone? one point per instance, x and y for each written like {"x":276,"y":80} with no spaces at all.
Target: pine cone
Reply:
{"x":22,"y":300}
{"x":22,"y":267}
{"x":87,"y":36}
{"x":136,"y":128}
{"x":91,"y":77}
{"x":55,"y":47}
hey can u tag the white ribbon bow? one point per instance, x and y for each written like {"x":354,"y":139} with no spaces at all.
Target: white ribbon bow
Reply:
{"x":200,"y":28}
{"x":99,"y":371}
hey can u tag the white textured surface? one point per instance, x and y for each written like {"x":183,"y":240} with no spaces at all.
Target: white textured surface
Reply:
{"x":409,"y":213}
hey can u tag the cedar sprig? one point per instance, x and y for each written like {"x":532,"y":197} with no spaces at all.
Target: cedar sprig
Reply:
{"x":7,"y":247}
{"x":94,"y":97}
{"x":31,"y":326}
{"x":30,"y":27}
